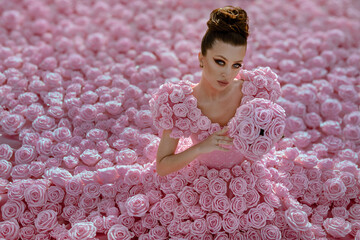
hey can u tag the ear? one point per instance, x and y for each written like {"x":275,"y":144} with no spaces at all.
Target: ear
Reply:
{"x":201,"y":57}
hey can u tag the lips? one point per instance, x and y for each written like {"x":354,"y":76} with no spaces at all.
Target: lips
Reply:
{"x":223,"y":83}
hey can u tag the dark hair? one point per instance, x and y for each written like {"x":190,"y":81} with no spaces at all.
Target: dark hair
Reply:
{"x":228,"y":24}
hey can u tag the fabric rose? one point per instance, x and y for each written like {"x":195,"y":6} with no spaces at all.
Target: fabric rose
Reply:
{"x":238,"y":186}
{"x":90,"y":157}
{"x":82,"y":230}
{"x":214,"y":222}
{"x":217,"y":187}
{"x":238,"y":205}
{"x":12,"y":209}
{"x":43,"y":123}
{"x":5,"y":169}
{"x":188,"y":197}
{"x":257,"y":218}
{"x":168,"y":203}
{"x":337,"y":227}
{"x":221,"y":204}
{"x":297,"y":219}
{"x":5,"y":151}
{"x":9,"y":229}
{"x":137,"y":205}
{"x":230,"y":222}
{"x":12,"y":124}
{"x":198,"y":227}
{"x":46,"y":221}
{"x":203,"y":123}
{"x":334,"y":189}
{"x":270,"y":232}
{"x":35,"y":195}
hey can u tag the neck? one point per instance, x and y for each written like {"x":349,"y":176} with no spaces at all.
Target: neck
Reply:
{"x":207,"y":92}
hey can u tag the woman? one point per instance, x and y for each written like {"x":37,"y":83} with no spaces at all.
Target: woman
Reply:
{"x":218,"y":93}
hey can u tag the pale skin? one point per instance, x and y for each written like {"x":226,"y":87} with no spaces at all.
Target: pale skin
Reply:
{"x":215,"y":100}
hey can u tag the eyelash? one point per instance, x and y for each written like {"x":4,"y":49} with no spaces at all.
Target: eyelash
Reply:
{"x":222,"y":63}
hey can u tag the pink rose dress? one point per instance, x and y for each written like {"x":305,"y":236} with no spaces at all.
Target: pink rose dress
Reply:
{"x":220,"y":194}
{"x":174,"y":107}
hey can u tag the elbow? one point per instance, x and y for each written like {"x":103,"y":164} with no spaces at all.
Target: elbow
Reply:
{"x":160,"y":169}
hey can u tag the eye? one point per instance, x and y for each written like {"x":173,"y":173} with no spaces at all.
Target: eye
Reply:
{"x":220,"y":62}
{"x":237,"y":65}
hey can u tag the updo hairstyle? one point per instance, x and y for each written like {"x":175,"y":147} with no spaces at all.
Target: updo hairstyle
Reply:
{"x":228,"y":24}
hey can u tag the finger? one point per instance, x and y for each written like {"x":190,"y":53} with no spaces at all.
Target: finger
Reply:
{"x":225,"y":142}
{"x":220,"y":148}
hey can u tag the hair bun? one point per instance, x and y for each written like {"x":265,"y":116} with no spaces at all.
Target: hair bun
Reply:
{"x":229,"y":19}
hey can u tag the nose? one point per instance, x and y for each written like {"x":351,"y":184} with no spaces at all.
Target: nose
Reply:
{"x":226,"y":72}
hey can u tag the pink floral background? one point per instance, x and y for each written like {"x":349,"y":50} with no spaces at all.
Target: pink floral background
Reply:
{"x":78,"y":144}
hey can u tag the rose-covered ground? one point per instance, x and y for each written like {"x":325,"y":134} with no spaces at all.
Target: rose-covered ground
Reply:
{"x":78,"y":144}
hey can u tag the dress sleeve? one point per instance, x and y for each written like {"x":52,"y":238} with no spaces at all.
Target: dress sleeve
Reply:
{"x":170,"y":107}
{"x":260,"y":83}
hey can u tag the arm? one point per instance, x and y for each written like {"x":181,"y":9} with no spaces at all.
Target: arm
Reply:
{"x":167,"y":161}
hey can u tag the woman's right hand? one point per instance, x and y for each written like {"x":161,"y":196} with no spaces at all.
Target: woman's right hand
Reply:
{"x":217,"y":141}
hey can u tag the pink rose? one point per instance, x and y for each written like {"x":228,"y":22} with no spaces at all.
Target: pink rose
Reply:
{"x":312,"y":120}
{"x":126,"y":157}
{"x":188,"y":196}
{"x":276,"y":129}
{"x":238,"y":205}
{"x":294,"y":124}
{"x":262,"y":117}
{"x":214,"y":222}
{"x":330,"y":108}
{"x":43,"y":146}
{"x":12,"y":209}
{"x":301,"y":139}
{"x":198,"y":227}
{"x":137,"y":205}
{"x":267,"y":210}
{"x":352,"y":118}
{"x":5,"y":151}
{"x":62,"y":134}
{"x":26,"y":218}
{"x":337,"y":227}
{"x":270,"y":232}
{"x":5,"y":169}
{"x":180,"y":110}
{"x":35,"y":195}
{"x":354,"y":211}
{"x":177,"y":94}
{"x":27,"y":232}
{"x":118,"y":231}
{"x":340,"y":212}
{"x":203,"y":123}
{"x":297,"y":219}
{"x":87,"y":204}
{"x":61,"y":149}
{"x":92,"y":190}
{"x":133,"y":177}
{"x":257,"y":218}
{"x":46,"y":221}
{"x":43,"y":123}
{"x":261,"y":146}
{"x":12,"y":124}
{"x":352,"y":132}
{"x":159,"y":232}
{"x":249,"y":88}
{"x":166,"y":123}
{"x":238,"y":186}
{"x":108,"y":191}
{"x":74,"y":186}
{"x":83,"y":230}
{"x":168,"y":203}
{"x":263,"y":186}
{"x":9,"y":229}
{"x":217,"y":187}
{"x":194,"y":114}
{"x":165,"y":110}
{"x":248,"y":130}
{"x":334,"y":189}
{"x":88,"y":112}
{"x":90,"y":157}
{"x":183,"y":124}
{"x":55,"y":194}
{"x":196,"y":212}
{"x":58,"y":176}
{"x":21,"y":171}
{"x":205,"y":201}
{"x":221,"y":204}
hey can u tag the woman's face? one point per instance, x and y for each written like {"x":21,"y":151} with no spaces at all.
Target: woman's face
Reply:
{"x":222,"y":63}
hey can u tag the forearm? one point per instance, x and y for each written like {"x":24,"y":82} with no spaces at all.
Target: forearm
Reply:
{"x":175,"y":162}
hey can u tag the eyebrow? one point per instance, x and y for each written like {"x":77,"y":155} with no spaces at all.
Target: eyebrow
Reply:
{"x":226,"y":59}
